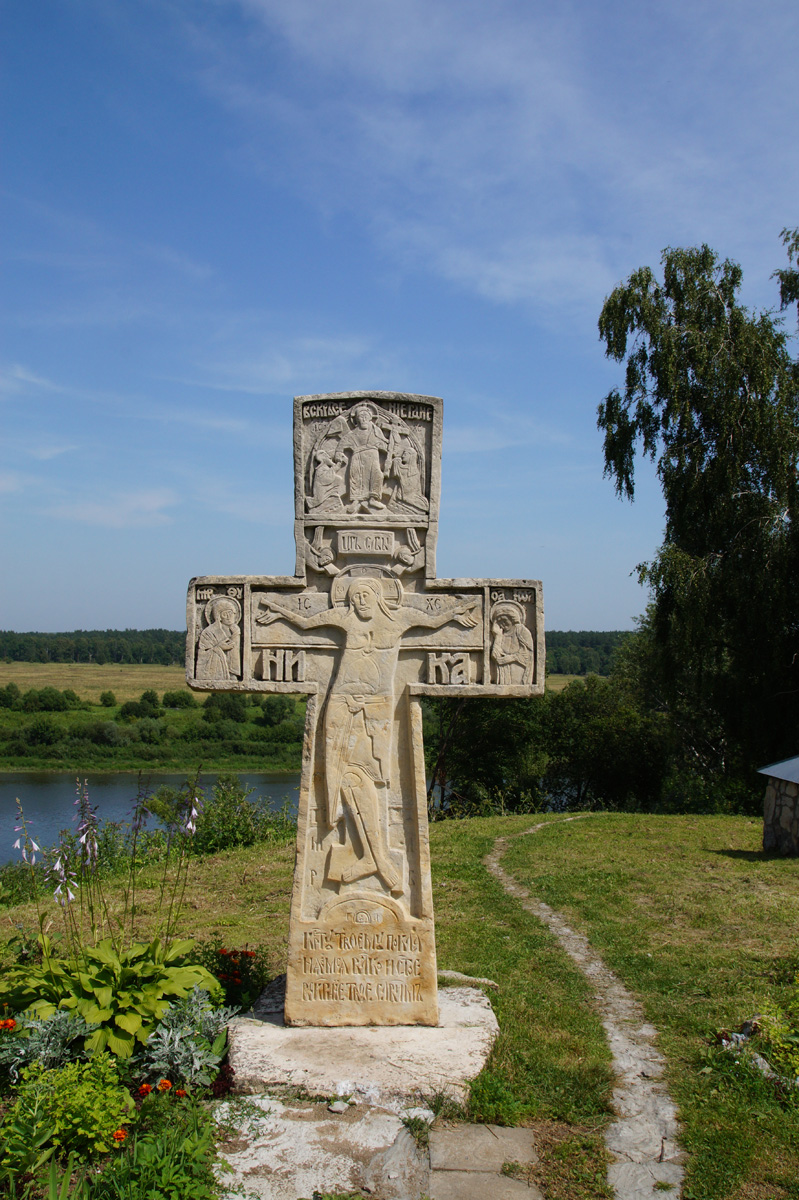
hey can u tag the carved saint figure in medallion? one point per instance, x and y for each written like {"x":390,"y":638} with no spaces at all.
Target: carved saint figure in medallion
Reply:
{"x":368,"y":609}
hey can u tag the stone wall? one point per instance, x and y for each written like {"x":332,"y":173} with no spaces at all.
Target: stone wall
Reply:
{"x":781,"y":817}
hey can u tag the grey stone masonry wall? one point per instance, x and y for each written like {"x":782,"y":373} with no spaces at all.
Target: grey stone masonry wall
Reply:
{"x":781,"y":817}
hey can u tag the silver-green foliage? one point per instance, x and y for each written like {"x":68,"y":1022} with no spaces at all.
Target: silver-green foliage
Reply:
{"x":50,"y":1041}
{"x":188,"y":1043}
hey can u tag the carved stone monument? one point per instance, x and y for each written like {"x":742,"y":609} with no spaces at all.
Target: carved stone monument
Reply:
{"x":365,"y":629}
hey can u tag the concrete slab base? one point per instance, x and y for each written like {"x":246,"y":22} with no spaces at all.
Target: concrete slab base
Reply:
{"x":376,"y":1064}
{"x":283,"y":1151}
{"x":466,"y":1163}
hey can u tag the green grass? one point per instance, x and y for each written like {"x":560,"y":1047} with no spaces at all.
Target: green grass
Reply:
{"x":687,"y":910}
{"x":702,"y":925}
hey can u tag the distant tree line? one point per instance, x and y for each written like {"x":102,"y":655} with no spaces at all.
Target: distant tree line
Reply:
{"x":163,"y":647}
{"x":585,"y":652}
{"x":582,"y":653}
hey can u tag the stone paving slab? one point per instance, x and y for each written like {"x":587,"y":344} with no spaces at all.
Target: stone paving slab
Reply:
{"x":479,"y":1185}
{"x":480,"y":1148}
{"x":385,"y":1065}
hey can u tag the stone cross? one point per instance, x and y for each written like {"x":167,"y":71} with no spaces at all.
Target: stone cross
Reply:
{"x":365,"y":629}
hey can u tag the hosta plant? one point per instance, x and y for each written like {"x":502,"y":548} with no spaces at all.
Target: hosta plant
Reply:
{"x":123,"y":991}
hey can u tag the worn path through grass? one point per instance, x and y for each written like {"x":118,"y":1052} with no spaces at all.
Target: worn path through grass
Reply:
{"x":701,"y":925}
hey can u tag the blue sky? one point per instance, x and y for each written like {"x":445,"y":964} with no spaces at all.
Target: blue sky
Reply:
{"x":213,"y":205}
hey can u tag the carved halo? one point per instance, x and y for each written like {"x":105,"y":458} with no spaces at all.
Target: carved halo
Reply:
{"x":215,"y":601}
{"x":508,"y":608}
{"x":392,"y":588}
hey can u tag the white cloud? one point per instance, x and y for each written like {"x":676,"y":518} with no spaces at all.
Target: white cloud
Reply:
{"x":528,"y":153}
{"x":120,"y":510}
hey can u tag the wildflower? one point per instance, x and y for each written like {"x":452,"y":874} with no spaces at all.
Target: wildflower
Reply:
{"x":145,"y":1089}
{"x":180,"y":1092}
{"x":9,"y":1023}
{"x":87,"y":826}
{"x":164,"y":1085}
{"x":119,"y":1135}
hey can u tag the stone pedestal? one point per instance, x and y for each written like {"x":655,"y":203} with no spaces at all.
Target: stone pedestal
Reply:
{"x":386,"y":1065}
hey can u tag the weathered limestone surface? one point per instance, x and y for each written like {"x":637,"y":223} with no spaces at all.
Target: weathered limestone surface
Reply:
{"x":385,"y":1065}
{"x":365,"y":629}
{"x":781,"y":817}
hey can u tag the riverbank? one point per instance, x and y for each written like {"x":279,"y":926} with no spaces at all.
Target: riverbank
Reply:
{"x":47,"y":729}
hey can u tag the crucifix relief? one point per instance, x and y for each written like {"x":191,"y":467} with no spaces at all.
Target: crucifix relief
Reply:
{"x":365,"y":629}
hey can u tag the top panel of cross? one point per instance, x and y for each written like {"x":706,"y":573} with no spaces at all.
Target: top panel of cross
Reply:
{"x":367,"y":478}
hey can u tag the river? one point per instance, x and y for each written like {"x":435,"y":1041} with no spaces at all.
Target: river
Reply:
{"x":48,"y":798}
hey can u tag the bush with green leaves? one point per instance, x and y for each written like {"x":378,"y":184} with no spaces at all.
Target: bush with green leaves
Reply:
{"x":50,"y":1041}
{"x":243,"y":973}
{"x":123,"y":991}
{"x":229,"y":819}
{"x":170,"y":1155}
{"x":188,"y":1043}
{"x":180,"y":699}
{"x":81,"y":1104}
{"x":108,"y":699}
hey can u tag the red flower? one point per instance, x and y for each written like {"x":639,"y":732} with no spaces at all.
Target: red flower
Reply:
{"x":164,"y":1085}
{"x":180,"y":1092}
{"x":119,"y":1135}
{"x":224,"y":951}
{"x":9,"y":1023}
{"x":250,"y":953}
{"x":145,"y":1089}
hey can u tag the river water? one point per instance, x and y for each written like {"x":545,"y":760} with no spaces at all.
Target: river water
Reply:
{"x":48,"y":799}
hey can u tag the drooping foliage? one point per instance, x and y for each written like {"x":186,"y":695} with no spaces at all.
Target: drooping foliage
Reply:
{"x":711,"y":395}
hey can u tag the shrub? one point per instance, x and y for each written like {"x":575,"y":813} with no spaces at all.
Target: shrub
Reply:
{"x":180,"y":699}
{"x":82,"y":1103}
{"x":9,"y":696}
{"x":42,"y":731}
{"x":229,"y":819}
{"x":149,"y":731}
{"x":130,"y":709}
{"x":243,"y":974}
{"x":107,"y":733}
{"x":276,"y":709}
{"x":48,"y":699}
{"x":225,"y":706}
{"x":108,"y":699}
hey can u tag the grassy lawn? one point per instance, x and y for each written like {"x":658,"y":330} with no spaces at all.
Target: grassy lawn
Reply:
{"x":126,"y":680}
{"x":702,"y":925}
{"x":687,"y":910}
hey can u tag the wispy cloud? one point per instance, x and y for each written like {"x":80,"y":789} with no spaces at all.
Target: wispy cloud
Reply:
{"x":524,"y":152}
{"x":121,"y":510}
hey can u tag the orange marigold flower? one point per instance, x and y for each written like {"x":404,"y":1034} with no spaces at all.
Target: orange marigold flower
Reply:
{"x":180,"y":1091}
{"x":119,"y":1135}
{"x":250,"y":953}
{"x":9,"y":1023}
{"x":164,"y":1085}
{"x":145,"y":1089}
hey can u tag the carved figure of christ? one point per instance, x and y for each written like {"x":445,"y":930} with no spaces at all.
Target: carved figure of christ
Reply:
{"x":359,"y":711}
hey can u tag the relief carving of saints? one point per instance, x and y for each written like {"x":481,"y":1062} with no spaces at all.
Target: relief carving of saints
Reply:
{"x":359,"y":712}
{"x":366,"y":461}
{"x":219,"y":645}
{"x":512,"y":643}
